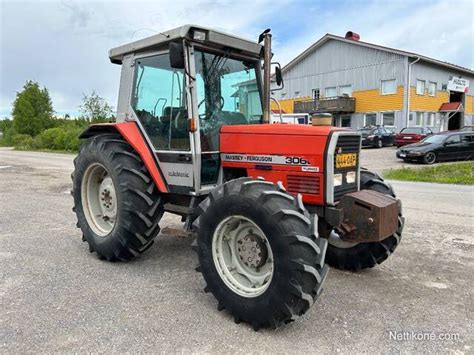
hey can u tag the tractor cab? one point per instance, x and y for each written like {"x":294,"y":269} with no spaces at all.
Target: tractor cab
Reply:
{"x":181,"y":87}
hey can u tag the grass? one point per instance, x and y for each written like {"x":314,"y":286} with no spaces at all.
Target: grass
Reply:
{"x":456,"y":173}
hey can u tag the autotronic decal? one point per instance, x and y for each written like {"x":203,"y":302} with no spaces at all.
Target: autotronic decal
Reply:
{"x":265,"y":159}
{"x":177,"y":174}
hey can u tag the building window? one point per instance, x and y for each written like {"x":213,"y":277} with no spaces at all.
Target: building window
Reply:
{"x":389,"y":87}
{"x":432,"y":89}
{"x":346,"y":121}
{"x":345,"y":90}
{"x":370,"y":119}
{"x":430,"y":119}
{"x":420,"y":87}
{"x":316,"y":94}
{"x":331,"y":92}
{"x":419,"y":119}
{"x":388,"y":119}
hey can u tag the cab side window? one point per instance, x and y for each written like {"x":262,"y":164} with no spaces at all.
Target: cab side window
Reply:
{"x":159,"y":101}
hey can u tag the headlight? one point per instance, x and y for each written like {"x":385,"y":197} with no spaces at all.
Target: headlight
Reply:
{"x":199,"y":35}
{"x":351,"y":177}
{"x":370,"y":137}
{"x":337,"y":179}
{"x":416,"y":153}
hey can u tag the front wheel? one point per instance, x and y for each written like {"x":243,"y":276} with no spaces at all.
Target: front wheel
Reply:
{"x":357,"y":256}
{"x":259,"y":253}
{"x":429,"y":158}
{"x":379,"y":143}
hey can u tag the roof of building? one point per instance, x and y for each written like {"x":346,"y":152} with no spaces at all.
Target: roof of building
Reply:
{"x":213,"y":37}
{"x":327,"y":37}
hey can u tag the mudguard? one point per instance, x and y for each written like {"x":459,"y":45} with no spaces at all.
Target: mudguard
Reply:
{"x":131,"y":133}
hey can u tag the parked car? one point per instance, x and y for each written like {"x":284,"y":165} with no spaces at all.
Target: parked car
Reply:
{"x":376,"y":137}
{"x":467,"y":129}
{"x":453,"y":145}
{"x":410,"y":135}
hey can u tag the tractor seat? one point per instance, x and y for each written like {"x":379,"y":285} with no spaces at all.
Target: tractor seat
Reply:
{"x":171,"y":113}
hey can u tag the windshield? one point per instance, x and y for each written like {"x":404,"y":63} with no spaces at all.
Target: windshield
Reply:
{"x":228,"y":94}
{"x":434,"y":139}
{"x":412,"y":130}
{"x":366,"y":131}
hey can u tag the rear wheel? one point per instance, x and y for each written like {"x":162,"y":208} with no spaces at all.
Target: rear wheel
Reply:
{"x":356,"y":256}
{"x":259,"y":253}
{"x":429,"y":158}
{"x":117,"y":204}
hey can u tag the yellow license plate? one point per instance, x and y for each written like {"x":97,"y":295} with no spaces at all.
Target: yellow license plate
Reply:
{"x":347,"y":160}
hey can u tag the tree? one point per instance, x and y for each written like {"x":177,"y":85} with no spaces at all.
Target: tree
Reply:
{"x":32,"y":109}
{"x":96,"y":109}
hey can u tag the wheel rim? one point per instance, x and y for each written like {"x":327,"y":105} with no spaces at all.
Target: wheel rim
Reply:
{"x":430,"y":158}
{"x":242,"y":256}
{"x":99,"y":199}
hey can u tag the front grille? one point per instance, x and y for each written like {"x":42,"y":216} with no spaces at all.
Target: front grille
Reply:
{"x":346,"y":144}
{"x":303,"y":184}
{"x":340,"y":191}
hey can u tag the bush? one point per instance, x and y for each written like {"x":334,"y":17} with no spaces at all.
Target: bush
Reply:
{"x":71,"y":139}
{"x":59,"y":138}
{"x":49,"y":139}
{"x":23,"y":141}
{"x":8,"y":138}
{"x":63,"y":136}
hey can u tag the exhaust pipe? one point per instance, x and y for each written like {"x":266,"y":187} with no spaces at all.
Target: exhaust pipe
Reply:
{"x":267,"y":57}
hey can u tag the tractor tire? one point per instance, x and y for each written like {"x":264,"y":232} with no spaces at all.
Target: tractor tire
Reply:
{"x":117,"y":204}
{"x":358,"y":256}
{"x":283,"y":277}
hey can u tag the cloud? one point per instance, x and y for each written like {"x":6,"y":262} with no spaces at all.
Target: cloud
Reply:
{"x":442,"y":29}
{"x":64,"y":44}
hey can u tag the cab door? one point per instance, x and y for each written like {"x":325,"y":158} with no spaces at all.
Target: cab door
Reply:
{"x":160,"y":106}
{"x":227,"y":94}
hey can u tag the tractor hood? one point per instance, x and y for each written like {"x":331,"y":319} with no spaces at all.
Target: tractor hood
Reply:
{"x":281,"y":152}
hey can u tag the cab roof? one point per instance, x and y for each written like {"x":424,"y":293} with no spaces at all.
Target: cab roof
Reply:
{"x":160,"y":41}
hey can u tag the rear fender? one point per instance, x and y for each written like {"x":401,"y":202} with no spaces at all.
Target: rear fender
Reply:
{"x":131,"y":133}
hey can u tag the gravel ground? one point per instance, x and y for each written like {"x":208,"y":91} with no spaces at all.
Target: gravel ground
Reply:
{"x":382,"y":159}
{"x":56,"y":296}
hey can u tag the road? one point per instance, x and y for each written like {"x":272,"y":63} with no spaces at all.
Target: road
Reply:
{"x":56,"y":296}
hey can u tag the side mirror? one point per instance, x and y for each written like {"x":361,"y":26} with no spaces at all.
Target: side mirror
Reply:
{"x":176,"y":55}
{"x":278,"y":76}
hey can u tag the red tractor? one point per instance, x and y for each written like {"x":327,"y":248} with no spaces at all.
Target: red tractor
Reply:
{"x":269,"y":204}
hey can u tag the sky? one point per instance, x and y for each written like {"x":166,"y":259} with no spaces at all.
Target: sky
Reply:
{"x":64,"y":45}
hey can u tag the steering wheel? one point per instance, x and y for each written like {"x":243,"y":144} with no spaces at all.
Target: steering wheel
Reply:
{"x":220,"y":108}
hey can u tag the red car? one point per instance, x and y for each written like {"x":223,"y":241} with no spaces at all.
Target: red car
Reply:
{"x":411,"y":135}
